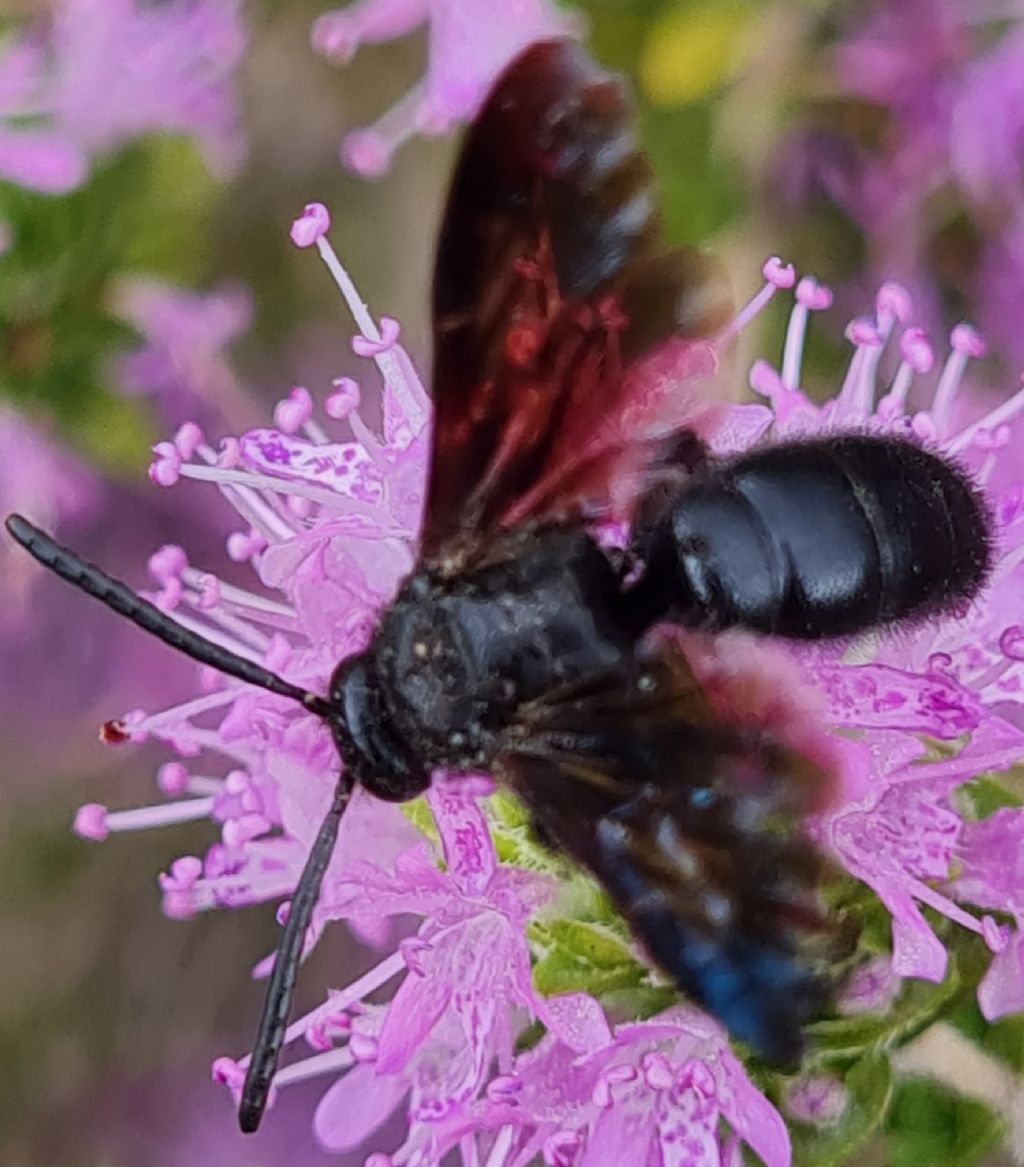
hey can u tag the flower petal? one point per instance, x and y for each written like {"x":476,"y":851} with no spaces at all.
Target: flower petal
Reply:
{"x":1001,"y":991}
{"x":752,"y":1116}
{"x":355,"y":1106}
{"x":413,"y":1012}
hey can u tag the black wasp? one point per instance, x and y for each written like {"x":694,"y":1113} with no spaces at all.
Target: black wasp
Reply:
{"x":519,"y":647}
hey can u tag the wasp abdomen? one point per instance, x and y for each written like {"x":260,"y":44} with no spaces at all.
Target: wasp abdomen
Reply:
{"x":818,"y":539}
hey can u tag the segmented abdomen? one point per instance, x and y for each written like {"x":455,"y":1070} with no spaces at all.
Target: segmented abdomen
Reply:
{"x":821,"y":538}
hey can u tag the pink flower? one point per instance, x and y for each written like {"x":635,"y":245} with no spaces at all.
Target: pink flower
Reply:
{"x":944,"y":79}
{"x":991,"y":855}
{"x":125,"y":68}
{"x":655,"y":1091}
{"x":100,"y":665}
{"x":47,"y":482}
{"x":905,"y":54}
{"x":98,"y":73}
{"x":443,"y":1045}
{"x":818,"y":1100}
{"x":328,"y":512}
{"x":183,"y":364}
{"x":465,"y":55}
{"x":42,"y":157}
{"x":330,"y":524}
{"x":466,"y":972}
{"x":998,"y":285}
{"x":898,"y":830}
{"x":987,"y":122}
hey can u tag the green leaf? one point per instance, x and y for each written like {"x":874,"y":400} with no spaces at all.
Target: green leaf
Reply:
{"x":589,"y":943}
{"x":577,"y":957}
{"x":919,"y":1003}
{"x":1003,"y":1039}
{"x":518,"y":846}
{"x":561,"y":971}
{"x":146,"y":206}
{"x":928,"y":1124}
{"x":985,"y":795}
{"x":418,"y":813}
{"x":869,"y":1089}
{"x":508,"y":811}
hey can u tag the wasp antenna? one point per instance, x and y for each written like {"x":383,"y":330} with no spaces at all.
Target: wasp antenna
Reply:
{"x":277,"y":1004}
{"x":96,"y":583}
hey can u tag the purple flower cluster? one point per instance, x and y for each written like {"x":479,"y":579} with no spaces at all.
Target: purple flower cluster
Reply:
{"x":946,"y":79}
{"x":898,"y":829}
{"x":328,"y":510}
{"x":94,"y":74}
{"x":465,"y":55}
{"x":39,"y":477}
{"x":182,"y":364}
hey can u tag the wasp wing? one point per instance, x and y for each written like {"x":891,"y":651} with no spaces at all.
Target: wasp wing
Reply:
{"x":694,"y":829}
{"x":549,"y":281}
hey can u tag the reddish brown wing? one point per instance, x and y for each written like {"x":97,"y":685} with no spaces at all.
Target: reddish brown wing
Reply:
{"x":693,"y":826}
{"x":548,"y":281}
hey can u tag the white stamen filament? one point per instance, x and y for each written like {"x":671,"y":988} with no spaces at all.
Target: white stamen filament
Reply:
{"x":327,"y":498}
{"x":952,"y":768}
{"x":315,"y":432}
{"x":387,"y":362}
{"x":949,"y":383}
{"x":236,"y":625}
{"x":985,"y":470}
{"x":271,"y":523}
{"x":398,"y":124}
{"x":219,"y":636}
{"x":992,"y":674}
{"x":259,"y":513}
{"x":862,"y":399}
{"x":210,"y":739}
{"x":901,"y":384}
{"x":164,"y":814}
{"x":529,"y":1153}
{"x":793,"y":350}
{"x":240,"y":597}
{"x":921,"y":891}
{"x":279,"y":506}
{"x":850,"y":392}
{"x":198,"y":784}
{"x":338,"y":1002}
{"x":502,"y":1145}
{"x":414,"y":407}
{"x":753,"y":308}
{"x":999,"y":416}
{"x":367,"y":439}
{"x":185,"y":711}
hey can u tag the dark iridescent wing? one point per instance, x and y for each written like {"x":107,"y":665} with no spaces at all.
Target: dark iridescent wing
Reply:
{"x":694,"y":829}
{"x":549,"y":281}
